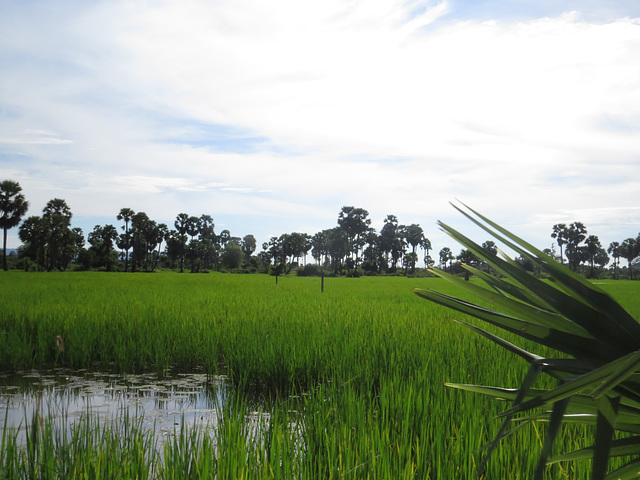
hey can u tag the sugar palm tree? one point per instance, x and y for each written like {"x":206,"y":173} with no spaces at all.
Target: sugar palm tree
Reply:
{"x":559,"y":233}
{"x":598,"y":385}
{"x":614,"y":251}
{"x":13,"y":207}
{"x":126,"y":215}
{"x":629,"y":250}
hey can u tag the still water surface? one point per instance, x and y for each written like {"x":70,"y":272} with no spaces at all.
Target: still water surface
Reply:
{"x":161,"y":404}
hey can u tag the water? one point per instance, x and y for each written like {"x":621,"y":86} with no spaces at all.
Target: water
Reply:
{"x":162,"y":405}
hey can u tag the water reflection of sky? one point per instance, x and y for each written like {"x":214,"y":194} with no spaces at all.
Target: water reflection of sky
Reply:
{"x":162,"y":405}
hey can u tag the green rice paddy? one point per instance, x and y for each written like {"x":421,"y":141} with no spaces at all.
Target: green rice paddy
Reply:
{"x":351,"y":380}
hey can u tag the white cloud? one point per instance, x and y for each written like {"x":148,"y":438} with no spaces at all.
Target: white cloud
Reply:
{"x":34,"y":137}
{"x":394,"y":107}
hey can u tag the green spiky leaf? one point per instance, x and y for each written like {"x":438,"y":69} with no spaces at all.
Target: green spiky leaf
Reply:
{"x":599,"y":385}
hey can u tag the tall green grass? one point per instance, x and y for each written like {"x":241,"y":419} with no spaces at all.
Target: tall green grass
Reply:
{"x":354,"y":376}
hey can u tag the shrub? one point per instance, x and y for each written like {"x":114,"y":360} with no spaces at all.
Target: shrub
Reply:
{"x":309,"y":271}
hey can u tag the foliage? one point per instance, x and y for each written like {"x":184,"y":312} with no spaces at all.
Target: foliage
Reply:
{"x":49,"y":240}
{"x":13,"y":207}
{"x":102,"y":240}
{"x":596,"y":344}
{"x":232,"y":256}
{"x":309,"y":271}
{"x":352,"y":247}
{"x":124,"y":241}
{"x":629,"y":250}
{"x":353,"y":377}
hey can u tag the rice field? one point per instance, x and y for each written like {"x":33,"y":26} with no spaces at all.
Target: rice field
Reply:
{"x":349,"y":382}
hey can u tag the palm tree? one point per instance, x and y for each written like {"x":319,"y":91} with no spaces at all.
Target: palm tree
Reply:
{"x":445,"y":256}
{"x":182,"y":226}
{"x":426,"y":246}
{"x":467,"y":257}
{"x":414,"y":236}
{"x":629,"y":251}
{"x":56,"y":216}
{"x":559,"y":233}
{"x":574,"y":235}
{"x":592,"y":243}
{"x":13,"y":207}
{"x":126,"y":214}
{"x":614,"y":251}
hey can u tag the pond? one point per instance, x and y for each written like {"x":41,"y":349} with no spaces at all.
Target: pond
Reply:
{"x":162,"y":405}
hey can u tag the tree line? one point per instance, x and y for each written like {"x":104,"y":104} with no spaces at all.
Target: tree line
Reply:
{"x":351,"y":247}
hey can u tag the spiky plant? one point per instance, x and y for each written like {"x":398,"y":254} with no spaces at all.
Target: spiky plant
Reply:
{"x":598,"y":369}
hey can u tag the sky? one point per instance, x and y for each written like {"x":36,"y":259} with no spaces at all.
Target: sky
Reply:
{"x":272,"y":116}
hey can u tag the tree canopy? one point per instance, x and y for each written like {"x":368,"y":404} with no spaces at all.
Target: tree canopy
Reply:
{"x":350,"y":247}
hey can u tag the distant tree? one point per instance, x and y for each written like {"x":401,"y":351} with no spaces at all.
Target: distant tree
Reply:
{"x":232,"y":256}
{"x":57,"y":217}
{"x":559,"y":232}
{"x":355,"y":223}
{"x":49,"y":240}
{"x":276,"y":250}
{"x":490,"y":247}
{"x":73,"y":247}
{"x":614,"y":251}
{"x":338,"y":248}
{"x":176,"y":245}
{"x":193,"y":226}
{"x":248,"y":245}
{"x":551,"y":252}
{"x":145,"y":237}
{"x":196,"y":250}
{"x":224,"y":238}
{"x":207,"y":226}
{"x":414,"y":235}
{"x":125,"y":215}
{"x":527,"y":264}
{"x":265,"y":257}
{"x":388,"y":236}
{"x":289,"y":248}
{"x":13,"y":207}
{"x":209,"y":240}
{"x":593,"y":247}
{"x":33,"y":234}
{"x":409,"y":262}
{"x":426,"y":246}
{"x":574,"y":235}
{"x":399,"y":246}
{"x":445,"y":256}
{"x":601,"y":258}
{"x":182,"y":227}
{"x":102,"y":240}
{"x":467,"y":257}
{"x":162,"y":235}
{"x":320,"y":244}
{"x":298,"y":246}
{"x":372,"y":256}
{"x":629,"y":250}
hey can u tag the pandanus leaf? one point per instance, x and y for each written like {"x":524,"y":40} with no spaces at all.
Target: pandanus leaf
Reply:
{"x":599,"y":385}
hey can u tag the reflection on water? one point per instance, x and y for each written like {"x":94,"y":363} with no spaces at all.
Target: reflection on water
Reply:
{"x":162,"y":405}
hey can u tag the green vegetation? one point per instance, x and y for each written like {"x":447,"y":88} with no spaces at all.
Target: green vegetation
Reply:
{"x":13,"y":206}
{"x":595,"y":358}
{"x":352,"y":379}
{"x":352,"y":248}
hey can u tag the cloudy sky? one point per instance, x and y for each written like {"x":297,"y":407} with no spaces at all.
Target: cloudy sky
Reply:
{"x":270,"y":116}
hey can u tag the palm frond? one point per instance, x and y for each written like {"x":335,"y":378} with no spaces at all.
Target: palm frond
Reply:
{"x":598,"y":385}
